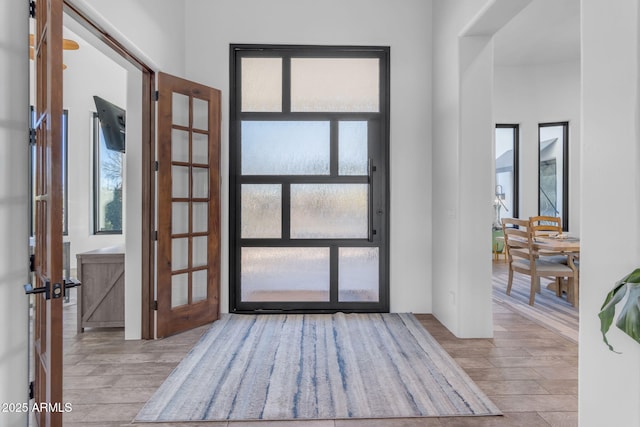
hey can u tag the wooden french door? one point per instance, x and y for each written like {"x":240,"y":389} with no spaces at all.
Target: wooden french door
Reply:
{"x":188,"y":264}
{"x":48,"y":213}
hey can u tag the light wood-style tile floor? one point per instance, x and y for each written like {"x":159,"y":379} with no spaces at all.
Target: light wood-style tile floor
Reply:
{"x":529,"y":372}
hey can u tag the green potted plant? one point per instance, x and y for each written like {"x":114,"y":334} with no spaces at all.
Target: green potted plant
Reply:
{"x":629,"y":318}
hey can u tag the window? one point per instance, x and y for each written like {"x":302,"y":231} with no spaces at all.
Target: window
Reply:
{"x":506,"y":171}
{"x":107,"y":184}
{"x":309,"y":199}
{"x":65,"y":178}
{"x":553,"y":175}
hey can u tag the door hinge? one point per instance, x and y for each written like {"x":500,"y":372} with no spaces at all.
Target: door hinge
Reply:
{"x":156,"y":96}
{"x":155,"y":235}
{"x":32,"y":9}
{"x":156,"y":166}
{"x":155,"y":305}
{"x":32,"y":263}
{"x":31,"y":391}
{"x":32,"y":136}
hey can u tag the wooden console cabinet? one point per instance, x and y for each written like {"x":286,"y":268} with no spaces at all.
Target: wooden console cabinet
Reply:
{"x":101,"y":296}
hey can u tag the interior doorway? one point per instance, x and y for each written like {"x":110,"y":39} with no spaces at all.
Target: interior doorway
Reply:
{"x":138,"y":206}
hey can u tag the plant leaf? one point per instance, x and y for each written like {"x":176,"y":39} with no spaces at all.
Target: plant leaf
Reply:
{"x":607,"y":301}
{"x":608,"y":310}
{"x":629,"y":318}
{"x":634,"y":277}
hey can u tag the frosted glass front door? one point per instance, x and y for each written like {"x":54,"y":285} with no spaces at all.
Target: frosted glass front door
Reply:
{"x":308,"y":163}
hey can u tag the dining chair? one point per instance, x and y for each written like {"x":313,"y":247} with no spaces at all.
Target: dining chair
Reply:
{"x":523,"y":257}
{"x":544,"y":225}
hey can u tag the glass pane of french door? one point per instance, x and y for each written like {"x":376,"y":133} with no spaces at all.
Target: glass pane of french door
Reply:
{"x":309,"y":182}
{"x":190,"y":195}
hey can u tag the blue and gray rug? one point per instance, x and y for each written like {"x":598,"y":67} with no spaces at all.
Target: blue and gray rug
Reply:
{"x":281,"y":367}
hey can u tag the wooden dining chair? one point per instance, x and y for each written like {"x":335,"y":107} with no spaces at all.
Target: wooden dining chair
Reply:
{"x":545,"y":225}
{"x":542,"y":225}
{"x":523,"y":257}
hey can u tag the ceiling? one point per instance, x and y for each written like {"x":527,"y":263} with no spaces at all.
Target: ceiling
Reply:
{"x":546,"y":31}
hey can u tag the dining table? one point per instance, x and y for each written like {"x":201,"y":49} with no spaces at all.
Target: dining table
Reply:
{"x":569,"y":246}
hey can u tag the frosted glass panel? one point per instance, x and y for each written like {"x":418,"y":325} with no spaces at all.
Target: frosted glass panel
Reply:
{"x":200,"y":152}
{"x":261,"y":84}
{"x":285,"y":274}
{"x":200,"y":114}
{"x":180,"y":110}
{"x":179,"y":218}
{"x":179,"y":254}
{"x":179,"y":290}
{"x":335,"y":84}
{"x":352,"y":148}
{"x":179,"y":145}
{"x":200,"y":182}
{"x":180,"y":181}
{"x":358,"y":274}
{"x":200,"y":217}
{"x":285,"y":148}
{"x":199,"y":251}
{"x":261,"y":211}
{"x":198,"y":285}
{"x":329,"y":211}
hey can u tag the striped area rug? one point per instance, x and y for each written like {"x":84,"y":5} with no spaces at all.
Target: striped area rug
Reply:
{"x":549,"y":310}
{"x":282,"y":367}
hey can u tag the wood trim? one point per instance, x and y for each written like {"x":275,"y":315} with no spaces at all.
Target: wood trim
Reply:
{"x":148,"y":205}
{"x":104,"y":36}
{"x":148,"y":155}
{"x":48,"y":326}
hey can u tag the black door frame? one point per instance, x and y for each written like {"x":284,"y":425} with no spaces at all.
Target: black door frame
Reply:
{"x":564,"y":212}
{"x":516,"y":165}
{"x":379,"y":204}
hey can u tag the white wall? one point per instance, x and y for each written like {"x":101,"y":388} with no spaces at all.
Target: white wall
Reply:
{"x":14,"y":207}
{"x":472,"y":298}
{"x":133,"y":208}
{"x":212,"y":26}
{"x":449,"y":19}
{"x":152,"y":29}
{"x":529,"y":95}
{"x":88,"y":73}
{"x":609,"y":383}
